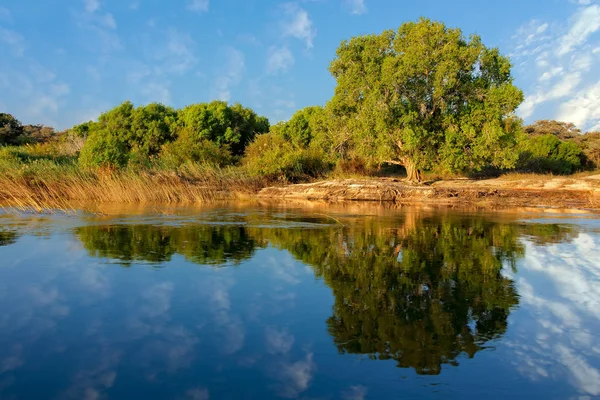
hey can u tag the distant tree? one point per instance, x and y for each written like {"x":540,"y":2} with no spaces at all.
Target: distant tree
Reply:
{"x":107,"y":144}
{"x":303,"y":127}
{"x":425,"y":95}
{"x":562,"y":130}
{"x":10,"y":129}
{"x":590,"y":144}
{"x":233,"y":126}
{"x":547,"y":153}
{"x":126,"y":134}
{"x":37,"y":133}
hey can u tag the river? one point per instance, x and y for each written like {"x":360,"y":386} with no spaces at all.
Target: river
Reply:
{"x":235,"y":302}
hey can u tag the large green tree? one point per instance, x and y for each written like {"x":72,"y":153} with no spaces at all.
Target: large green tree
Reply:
{"x":425,"y":95}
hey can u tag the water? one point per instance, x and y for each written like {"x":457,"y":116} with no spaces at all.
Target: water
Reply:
{"x":261,"y":303}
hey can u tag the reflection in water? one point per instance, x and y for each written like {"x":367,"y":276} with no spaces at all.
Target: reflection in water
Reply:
{"x":200,"y":244}
{"x":422,"y":291}
{"x":7,"y":237}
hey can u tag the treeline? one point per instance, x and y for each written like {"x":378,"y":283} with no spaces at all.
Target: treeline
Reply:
{"x":422,"y":98}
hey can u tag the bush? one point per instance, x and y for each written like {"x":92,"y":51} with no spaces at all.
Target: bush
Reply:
{"x":185,"y":148}
{"x":275,"y":158}
{"x":547,"y":153}
{"x":107,"y":151}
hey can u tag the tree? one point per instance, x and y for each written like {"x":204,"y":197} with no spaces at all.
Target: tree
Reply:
{"x":425,"y":96}
{"x":126,"y":134}
{"x":233,"y":126}
{"x":107,"y":144}
{"x":10,"y":129}
{"x":590,"y":144}
{"x":304,"y":126}
{"x":547,"y":153}
{"x":562,"y":130}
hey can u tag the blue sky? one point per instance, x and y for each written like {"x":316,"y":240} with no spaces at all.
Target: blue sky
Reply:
{"x":65,"y":61}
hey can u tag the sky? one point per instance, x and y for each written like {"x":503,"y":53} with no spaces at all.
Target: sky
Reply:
{"x":63,"y":62}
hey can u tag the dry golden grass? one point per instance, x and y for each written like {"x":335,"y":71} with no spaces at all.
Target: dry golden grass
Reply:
{"x":53,"y":186}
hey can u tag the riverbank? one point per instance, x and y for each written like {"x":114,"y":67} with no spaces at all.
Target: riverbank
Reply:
{"x":70,"y":188}
{"x":509,"y":191}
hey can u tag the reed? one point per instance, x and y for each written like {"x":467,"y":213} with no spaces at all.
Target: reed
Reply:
{"x":43,"y":184}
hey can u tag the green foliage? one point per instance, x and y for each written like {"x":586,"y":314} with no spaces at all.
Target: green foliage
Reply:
{"x":590,"y":144}
{"x":305,"y":126}
{"x":10,"y":129}
{"x":233,"y":126}
{"x":425,"y":95}
{"x":134,"y":136}
{"x":185,"y":149}
{"x":272,"y":156}
{"x":104,"y":150}
{"x":547,"y":153}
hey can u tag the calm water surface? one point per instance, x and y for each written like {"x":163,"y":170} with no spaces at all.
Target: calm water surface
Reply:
{"x":261,"y":303}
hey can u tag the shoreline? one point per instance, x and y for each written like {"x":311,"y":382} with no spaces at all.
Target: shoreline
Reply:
{"x":563,"y":193}
{"x":534,"y":192}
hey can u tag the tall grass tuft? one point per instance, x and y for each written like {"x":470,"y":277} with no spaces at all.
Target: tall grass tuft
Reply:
{"x":42,"y":182}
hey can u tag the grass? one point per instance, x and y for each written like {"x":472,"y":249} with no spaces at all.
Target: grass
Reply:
{"x":35,"y":177}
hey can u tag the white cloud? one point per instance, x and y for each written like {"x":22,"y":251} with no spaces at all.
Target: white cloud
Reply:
{"x":356,"y":7}
{"x":60,"y":89}
{"x":279,"y":59}
{"x":198,"y":6}
{"x":231,"y":74}
{"x":585,"y":22}
{"x":559,"y":63}
{"x":14,"y":40}
{"x":296,"y":23}
{"x":156,"y":92}
{"x":108,"y":21}
{"x":91,"y":6}
{"x":583,"y":109}
{"x":103,"y":24}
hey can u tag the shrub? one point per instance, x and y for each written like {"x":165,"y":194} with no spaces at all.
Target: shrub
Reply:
{"x":186,"y":148}
{"x":547,"y":153}
{"x":104,"y":151}
{"x":275,"y":158}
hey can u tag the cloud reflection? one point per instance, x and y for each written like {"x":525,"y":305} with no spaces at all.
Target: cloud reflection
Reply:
{"x":561,"y":312}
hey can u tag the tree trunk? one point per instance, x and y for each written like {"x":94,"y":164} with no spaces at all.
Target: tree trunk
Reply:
{"x":412,"y":172}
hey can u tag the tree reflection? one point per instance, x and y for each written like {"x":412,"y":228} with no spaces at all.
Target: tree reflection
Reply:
{"x":200,"y":244}
{"x":421,"y":290}
{"x":8,"y":237}
{"x":421,"y":293}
